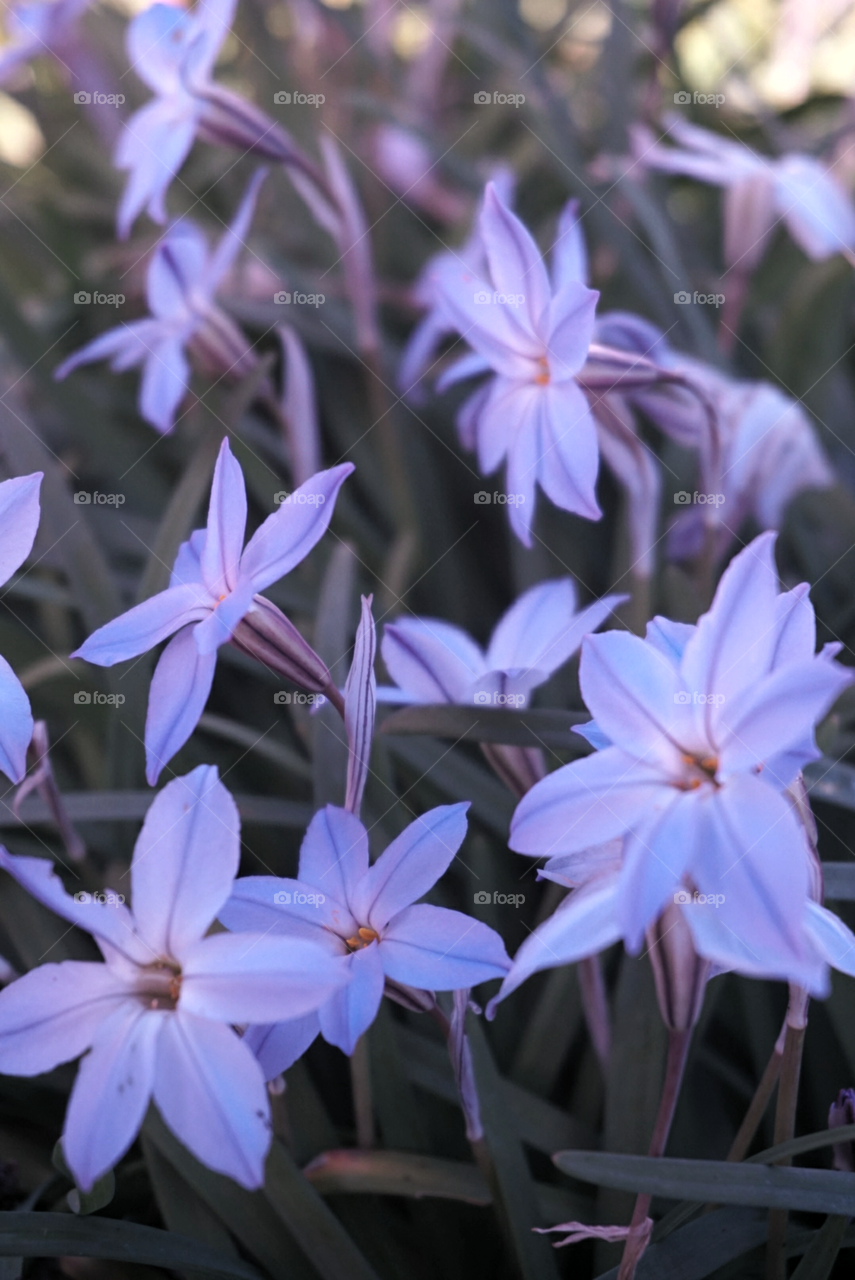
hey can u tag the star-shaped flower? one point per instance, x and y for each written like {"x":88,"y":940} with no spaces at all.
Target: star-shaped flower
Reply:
{"x":19,"y":521}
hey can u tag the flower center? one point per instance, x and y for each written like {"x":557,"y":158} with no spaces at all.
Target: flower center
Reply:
{"x":362,"y":938}
{"x":160,"y":985}
{"x":542,"y":375}
{"x":701,"y":769}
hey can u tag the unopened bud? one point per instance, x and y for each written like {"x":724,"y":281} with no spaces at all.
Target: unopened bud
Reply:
{"x":679,"y":972}
{"x":227,"y":120}
{"x":843,"y":1112}
{"x":267,"y":635}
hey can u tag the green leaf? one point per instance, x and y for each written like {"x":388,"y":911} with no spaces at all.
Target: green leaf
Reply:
{"x":514,"y":1191}
{"x":55,"y":1235}
{"x":818,"y":1262}
{"x":702,"y":1247}
{"x":252,"y":740}
{"x":811,"y":1190}
{"x":396,"y":1173}
{"x":491,"y":724}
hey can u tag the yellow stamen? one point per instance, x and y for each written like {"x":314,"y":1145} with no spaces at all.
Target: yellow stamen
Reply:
{"x":542,"y":378}
{"x":362,"y":938}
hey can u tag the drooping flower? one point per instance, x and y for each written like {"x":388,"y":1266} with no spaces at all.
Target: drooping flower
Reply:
{"x":19,"y":521}
{"x":155,"y":1020}
{"x":699,"y":731}
{"x":434,"y":661}
{"x":214,"y":585}
{"x":174,"y":52}
{"x":183,"y":278}
{"x":36,"y":29}
{"x":533,"y":334}
{"x":370,"y":917}
{"x":760,"y":192}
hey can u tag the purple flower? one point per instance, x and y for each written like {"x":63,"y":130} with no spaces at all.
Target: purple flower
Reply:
{"x":433,"y":661}
{"x":183,"y":278}
{"x":533,"y":335}
{"x":360,"y":703}
{"x":38,"y":28}
{"x":700,"y":730}
{"x":174,"y":52}
{"x":365,"y":915}
{"x":759,"y":192}
{"x":213,"y":586}
{"x":19,"y":521}
{"x":155,"y":1020}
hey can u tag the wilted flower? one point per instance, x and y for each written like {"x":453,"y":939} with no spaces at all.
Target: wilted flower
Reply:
{"x":533,"y":335}
{"x":183,"y":278}
{"x":760,"y":191}
{"x":366,"y":916}
{"x":19,"y":521}
{"x":154,"y":1021}
{"x":700,"y":730}
{"x":174,"y":52}
{"x":213,"y":587}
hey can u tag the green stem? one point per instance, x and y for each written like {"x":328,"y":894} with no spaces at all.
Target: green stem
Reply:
{"x":785,"y":1122}
{"x":363,"y":1107}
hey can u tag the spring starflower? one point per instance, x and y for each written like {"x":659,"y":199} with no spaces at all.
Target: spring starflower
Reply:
{"x":155,"y":1021}
{"x":19,"y":522}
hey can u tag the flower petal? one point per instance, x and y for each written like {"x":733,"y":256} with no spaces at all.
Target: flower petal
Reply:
{"x":334,"y":853}
{"x":154,"y":145}
{"x":177,"y":266}
{"x":16,"y":724}
{"x":360,"y":701}
{"x":831,"y":937}
{"x":166,"y":377}
{"x":569,"y":254}
{"x":252,"y":977}
{"x":568,"y":458}
{"x":52,"y":1014}
{"x":210,"y":1091}
{"x":441,"y":950}
{"x":179,"y":690}
{"x":350,"y":1012}
{"x":19,"y":520}
{"x":815,"y":207}
{"x":431,"y":660}
{"x":221,"y":550}
{"x":144,"y":626}
{"x":289,"y":534}
{"x":571,"y":328}
{"x":656,"y":855}
{"x":185,"y":861}
{"x":411,"y":864}
{"x":112,"y":1092}
{"x":542,"y":628}
{"x":234,"y":237}
{"x":295,"y":908}
{"x":278,"y":1045}
{"x":515,"y":262}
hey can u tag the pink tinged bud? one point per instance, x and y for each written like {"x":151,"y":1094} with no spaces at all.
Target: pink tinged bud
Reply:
{"x":267,"y":635}
{"x":412,"y":998}
{"x":749,"y":220}
{"x":219,"y":348}
{"x":679,"y":972}
{"x":464,"y":1072}
{"x":360,"y":700}
{"x":227,"y":120}
{"x":843,"y":1112}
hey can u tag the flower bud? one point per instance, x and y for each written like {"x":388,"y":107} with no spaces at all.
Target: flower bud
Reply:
{"x":267,"y":635}
{"x":227,"y":120}
{"x":219,"y":348}
{"x":679,"y":972}
{"x":843,"y":1112}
